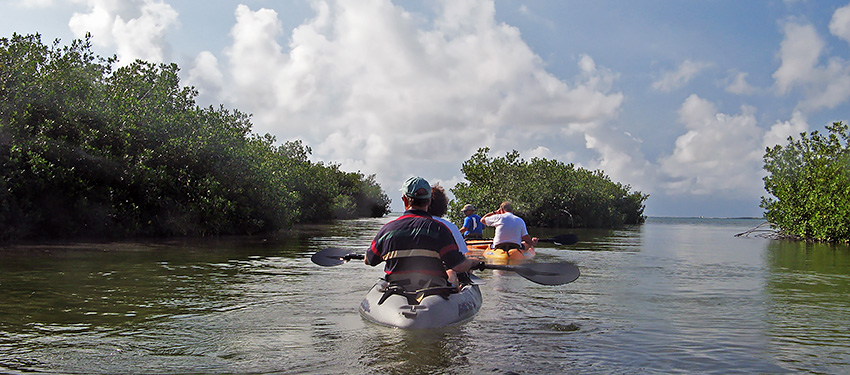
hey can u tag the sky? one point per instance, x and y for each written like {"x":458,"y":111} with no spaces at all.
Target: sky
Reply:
{"x":677,"y":99}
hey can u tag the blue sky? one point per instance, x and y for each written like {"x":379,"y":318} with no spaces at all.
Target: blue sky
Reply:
{"x":675,"y":98}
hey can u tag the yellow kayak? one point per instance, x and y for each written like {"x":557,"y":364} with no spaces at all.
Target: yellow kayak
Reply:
{"x":481,"y":249}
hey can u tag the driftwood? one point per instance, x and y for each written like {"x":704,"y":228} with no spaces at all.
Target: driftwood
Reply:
{"x":765,"y":230}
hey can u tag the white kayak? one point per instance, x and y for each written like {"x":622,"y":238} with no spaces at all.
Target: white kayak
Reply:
{"x":429,"y":308}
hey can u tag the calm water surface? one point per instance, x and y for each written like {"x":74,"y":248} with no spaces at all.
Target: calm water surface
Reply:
{"x":671,"y":296}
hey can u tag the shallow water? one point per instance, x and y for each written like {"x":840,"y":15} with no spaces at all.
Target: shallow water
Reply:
{"x":671,"y":296}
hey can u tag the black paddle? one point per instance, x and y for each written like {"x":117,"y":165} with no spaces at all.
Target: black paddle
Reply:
{"x":561,"y":239}
{"x":541,"y":273}
{"x":334,"y":256}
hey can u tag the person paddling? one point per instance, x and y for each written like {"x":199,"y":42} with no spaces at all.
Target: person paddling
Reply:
{"x":472,"y":228}
{"x":416,"y":248}
{"x":511,"y":232}
{"x":438,"y":207}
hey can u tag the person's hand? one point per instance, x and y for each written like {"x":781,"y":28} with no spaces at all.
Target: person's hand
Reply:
{"x":534,"y":241}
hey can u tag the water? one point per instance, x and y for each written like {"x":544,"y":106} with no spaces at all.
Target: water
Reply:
{"x":671,"y":296}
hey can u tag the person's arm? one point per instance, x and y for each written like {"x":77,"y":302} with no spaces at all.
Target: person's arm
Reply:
{"x":484,"y":218}
{"x":531,"y":241}
{"x":373,"y":256}
{"x":466,"y":265}
{"x":466,"y":221}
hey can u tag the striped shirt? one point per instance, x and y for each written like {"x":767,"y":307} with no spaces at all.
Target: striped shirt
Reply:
{"x":415,"y":243}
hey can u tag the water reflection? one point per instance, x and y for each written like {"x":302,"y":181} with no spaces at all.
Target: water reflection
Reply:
{"x":392,"y":351}
{"x":809,"y":320}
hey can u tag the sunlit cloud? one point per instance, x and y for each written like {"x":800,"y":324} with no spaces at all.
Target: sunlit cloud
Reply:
{"x":839,"y":25}
{"x":368,"y":86}
{"x":376,"y":88}
{"x":799,"y":53}
{"x":136,"y":29}
{"x":721,"y":153}
{"x":823,"y":85}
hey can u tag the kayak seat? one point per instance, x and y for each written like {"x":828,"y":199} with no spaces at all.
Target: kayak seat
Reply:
{"x":415,"y":297}
{"x":507,"y":246}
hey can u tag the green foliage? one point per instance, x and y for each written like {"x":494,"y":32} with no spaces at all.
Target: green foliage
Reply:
{"x":86,"y":150}
{"x":809,"y":180}
{"x":546,"y":193}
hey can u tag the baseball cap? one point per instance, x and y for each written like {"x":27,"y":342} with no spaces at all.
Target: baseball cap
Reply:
{"x":415,"y":183}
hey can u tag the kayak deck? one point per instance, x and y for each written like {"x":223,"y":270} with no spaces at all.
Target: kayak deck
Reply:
{"x":420,"y":310}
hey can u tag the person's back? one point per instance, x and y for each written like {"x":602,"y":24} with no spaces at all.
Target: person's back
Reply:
{"x":416,"y":248}
{"x":410,"y":246}
{"x":509,"y":229}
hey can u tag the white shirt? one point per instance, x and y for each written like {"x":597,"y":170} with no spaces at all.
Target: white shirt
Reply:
{"x":461,"y":243}
{"x":509,"y":228}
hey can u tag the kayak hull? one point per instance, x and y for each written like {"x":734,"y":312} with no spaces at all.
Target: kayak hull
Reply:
{"x":481,"y":249}
{"x":513,"y":255}
{"x":432,"y":311}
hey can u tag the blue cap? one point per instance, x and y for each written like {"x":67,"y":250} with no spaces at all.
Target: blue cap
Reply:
{"x":413,"y":184}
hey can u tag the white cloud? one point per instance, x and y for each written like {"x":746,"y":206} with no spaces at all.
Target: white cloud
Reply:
{"x":823,"y":86}
{"x":719,"y":153}
{"x":621,"y":159}
{"x":366,"y":85}
{"x":739,"y":85}
{"x":722,"y":153}
{"x":538,"y":152}
{"x":799,"y":53}
{"x":840,"y":23}
{"x":207,"y":78}
{"x":255,"y":59}
{"x":780,"y":131}
{"x":673,"y":80}
{"x":136,"y":29}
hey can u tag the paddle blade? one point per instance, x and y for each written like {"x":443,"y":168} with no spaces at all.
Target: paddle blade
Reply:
{"x":543,"y":273}
{"x":334,"y":256}
{"x":565,"y":239}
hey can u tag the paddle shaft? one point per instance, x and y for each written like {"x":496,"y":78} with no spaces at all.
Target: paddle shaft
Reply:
{"x":541,"y":273}
{"x":354,"y":256}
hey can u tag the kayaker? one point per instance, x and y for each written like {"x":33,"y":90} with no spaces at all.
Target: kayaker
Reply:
{"x":416,"y":248}
{"x":438,"y":207}
{"x":472,"y":228}
{"x":511,"y":232}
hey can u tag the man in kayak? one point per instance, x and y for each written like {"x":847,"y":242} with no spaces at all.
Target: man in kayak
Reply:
{"x":472,"y":228}
{"x":416,"y":248}
{"x":511,"y":232}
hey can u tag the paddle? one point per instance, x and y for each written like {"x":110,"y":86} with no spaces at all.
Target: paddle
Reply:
{"x":561,"y":239}
{"x":334,"y":256}
{"x":541,"y":273}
